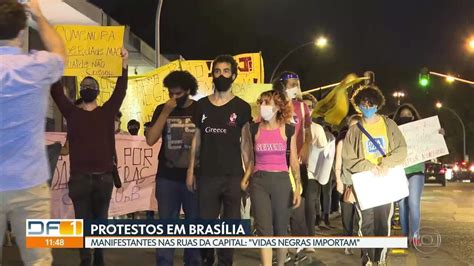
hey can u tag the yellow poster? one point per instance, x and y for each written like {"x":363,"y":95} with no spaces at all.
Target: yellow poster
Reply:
{"x":92,"y":50}
{"x":250,"y":67}
{"x":146,"y":92}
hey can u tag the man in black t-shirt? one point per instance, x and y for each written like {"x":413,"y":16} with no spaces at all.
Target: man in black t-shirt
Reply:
{"x":172,"y":123}
{"x":222,"y":143}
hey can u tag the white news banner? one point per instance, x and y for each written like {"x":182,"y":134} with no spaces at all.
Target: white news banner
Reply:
{"x":244,"y":242}
{"x":373,"y":191}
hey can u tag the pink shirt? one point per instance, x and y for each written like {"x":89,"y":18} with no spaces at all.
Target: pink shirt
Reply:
{"x":270,"y":151}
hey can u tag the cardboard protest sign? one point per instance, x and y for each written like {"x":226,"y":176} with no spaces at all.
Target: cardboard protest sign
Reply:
{"x":137,"y":166}
{"x":424,"y":142}
{"x":92,"y":50}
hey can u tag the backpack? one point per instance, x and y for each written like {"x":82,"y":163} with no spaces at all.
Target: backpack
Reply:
{"x":289,"y":131}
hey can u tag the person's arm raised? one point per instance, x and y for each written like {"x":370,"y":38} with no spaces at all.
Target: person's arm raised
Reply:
{"x":121,"y":85}
{"x":48,"y":34}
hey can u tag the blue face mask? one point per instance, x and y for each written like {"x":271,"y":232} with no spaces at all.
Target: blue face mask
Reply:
{"x":368,"y":112}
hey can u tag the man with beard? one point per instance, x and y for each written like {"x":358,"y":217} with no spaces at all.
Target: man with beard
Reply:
{"x":222,"y":141}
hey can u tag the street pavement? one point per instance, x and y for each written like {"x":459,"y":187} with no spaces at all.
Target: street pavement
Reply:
{"x":448,"y":210}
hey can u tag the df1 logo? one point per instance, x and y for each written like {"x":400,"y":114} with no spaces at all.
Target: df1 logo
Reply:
{"x":427,"y":240}
{"x":54,"y":227}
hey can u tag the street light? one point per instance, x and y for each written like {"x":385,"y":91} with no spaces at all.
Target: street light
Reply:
{"x":450,"y":79}
{"x":470,"y":44}
{"x":399,"y":95}
{"x":157,"y":34}
{"x":321,"y":42}
{"x":439,"y":105}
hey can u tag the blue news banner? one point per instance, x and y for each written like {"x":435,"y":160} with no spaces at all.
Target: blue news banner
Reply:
{"x":210,"y":234}
{"x":166,"y":233}
{"x":166,"y":228}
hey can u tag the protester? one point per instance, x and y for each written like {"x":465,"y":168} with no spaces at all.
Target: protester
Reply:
{"x":320,"y":174}
{"x":344,"y":184}
{"x":222,"y":144}
{"x":289,"y":83}
{"x":65,"y":148}
{"x":360,"y":154}
{"x":118,"y":124}
{"x":25,"y":80}
{"x":410,"y":213}
{"x":172,"y":123}
{"x":150,"y":215}
{"x":133,"y":126}
{"x":91,"y":139}
{"x":270,"y":188}
{"x":313,"y":188}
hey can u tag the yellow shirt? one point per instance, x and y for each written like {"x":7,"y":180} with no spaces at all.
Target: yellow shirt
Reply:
{"x":378,"y":131}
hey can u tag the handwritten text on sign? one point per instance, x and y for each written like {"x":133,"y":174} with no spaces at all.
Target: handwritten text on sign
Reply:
{"x":424,"y":142}
{"x":92,"y":50}
{"x":146,"y":92}
{"x":137,"y":165}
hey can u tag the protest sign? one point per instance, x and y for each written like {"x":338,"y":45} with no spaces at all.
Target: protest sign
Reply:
{"x":137,"y":166}
{"x":424,"y":142}
{"x":373,"y":190}
{"x":92,"y":50}
{"x":146,"y":92}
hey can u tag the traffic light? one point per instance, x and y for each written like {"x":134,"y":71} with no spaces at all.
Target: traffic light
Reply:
{"x":424,"y":78}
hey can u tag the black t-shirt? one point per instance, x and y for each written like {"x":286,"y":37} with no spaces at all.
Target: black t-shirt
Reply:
{"x":176,"y":142}
{"x":221,"y":129}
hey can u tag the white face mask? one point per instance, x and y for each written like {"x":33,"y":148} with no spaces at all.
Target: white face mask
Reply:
{"x":266,"y":112}
{"x":292,"y":92}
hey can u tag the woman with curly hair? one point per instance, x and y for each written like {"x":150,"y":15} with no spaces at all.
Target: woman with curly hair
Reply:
{"x":360,"y":153}
{"x":274,"y":145}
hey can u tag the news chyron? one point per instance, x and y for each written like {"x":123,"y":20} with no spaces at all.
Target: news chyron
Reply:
{"x":54,"y":233}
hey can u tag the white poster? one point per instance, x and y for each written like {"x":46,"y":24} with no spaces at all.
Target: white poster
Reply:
{"x":424,"y":142}
{"x":137,"y":166}
{"x":373,"y":191}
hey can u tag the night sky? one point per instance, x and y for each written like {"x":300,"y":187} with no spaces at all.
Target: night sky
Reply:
{"x":395,"y":39}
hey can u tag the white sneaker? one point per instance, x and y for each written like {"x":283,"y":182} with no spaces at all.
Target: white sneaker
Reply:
{"x":348,"y":251}
{"x":310,"y":250}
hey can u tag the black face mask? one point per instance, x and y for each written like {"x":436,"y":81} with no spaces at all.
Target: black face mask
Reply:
{"x":89,"y":95}
{"x":222,"y":83}
{"x":181,"y":101}
{"x":405,"y":119}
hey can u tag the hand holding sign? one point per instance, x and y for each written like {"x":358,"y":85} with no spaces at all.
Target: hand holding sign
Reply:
{"x":424,"y":140}
{"x":34,"y":8}
{"x":124,"y":58}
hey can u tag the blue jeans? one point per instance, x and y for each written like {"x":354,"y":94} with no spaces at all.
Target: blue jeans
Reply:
{"x":170,"y":196}
{"x":410,"y":214}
